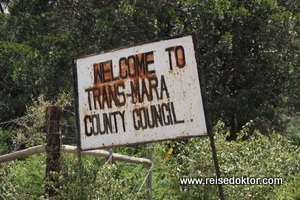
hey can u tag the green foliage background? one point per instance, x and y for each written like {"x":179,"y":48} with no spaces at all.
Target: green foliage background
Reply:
{"x":250,"y":57}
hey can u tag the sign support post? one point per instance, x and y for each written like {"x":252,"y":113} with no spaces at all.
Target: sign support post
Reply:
{"x":218,"y":173}
{"x":208,"y":119}
{"x":150,"y":170}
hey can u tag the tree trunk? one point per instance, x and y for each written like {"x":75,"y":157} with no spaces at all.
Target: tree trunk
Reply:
{"x":234,"y":128}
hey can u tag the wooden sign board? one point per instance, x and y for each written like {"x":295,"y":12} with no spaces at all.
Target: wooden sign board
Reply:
{"x":141,"y":93}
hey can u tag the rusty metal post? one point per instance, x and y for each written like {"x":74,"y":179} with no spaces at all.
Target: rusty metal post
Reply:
{"x":53,"y":149}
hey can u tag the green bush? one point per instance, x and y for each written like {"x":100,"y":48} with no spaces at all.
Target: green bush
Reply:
{"x":23,"y":179}
{"x":259,"y":156}
{"x":87,"y":177}
{"x":290,"y":190}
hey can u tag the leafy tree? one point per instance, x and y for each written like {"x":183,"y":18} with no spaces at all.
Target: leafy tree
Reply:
{"x":249,"y":54}
{"x":249,"y":49}
{"x":19,"y":78}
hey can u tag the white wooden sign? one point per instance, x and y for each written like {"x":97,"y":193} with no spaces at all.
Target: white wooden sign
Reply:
{"x":137,"y":94}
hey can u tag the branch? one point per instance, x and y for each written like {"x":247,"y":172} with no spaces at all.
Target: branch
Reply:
{"x":71,"y":149}
{"x":23,"y":153}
